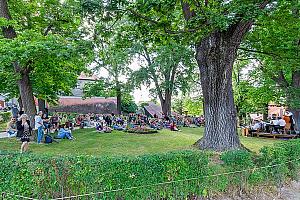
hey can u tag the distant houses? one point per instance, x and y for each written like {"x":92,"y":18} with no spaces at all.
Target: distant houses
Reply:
{"x":76,"y":103}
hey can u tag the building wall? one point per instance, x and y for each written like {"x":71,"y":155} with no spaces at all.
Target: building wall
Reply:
{"x":78,"y":91}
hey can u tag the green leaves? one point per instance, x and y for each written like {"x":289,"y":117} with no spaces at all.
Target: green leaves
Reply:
{"x":49,"y":46}
{"x":274,"y":42}
{"x":54,"y":62}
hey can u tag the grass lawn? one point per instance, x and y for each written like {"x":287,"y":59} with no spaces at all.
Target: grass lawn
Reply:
{"x":3,"y":126}
{"x":89,"y":142}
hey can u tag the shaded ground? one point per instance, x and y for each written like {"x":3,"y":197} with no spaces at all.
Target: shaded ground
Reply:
{"x":88,"y":141}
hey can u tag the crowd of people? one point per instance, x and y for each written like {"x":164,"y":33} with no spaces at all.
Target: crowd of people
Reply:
{"x":62,"y":124}
{"x":19,"y":126}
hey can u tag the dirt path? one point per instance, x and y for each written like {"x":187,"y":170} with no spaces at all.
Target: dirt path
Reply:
{"x":288,"y":192}
{"x":291,"y":192}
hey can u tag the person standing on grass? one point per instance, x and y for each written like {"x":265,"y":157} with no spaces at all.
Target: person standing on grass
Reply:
{"x":23,"y":126}
{"x":14,"y":111}
{"x":39,"y":126}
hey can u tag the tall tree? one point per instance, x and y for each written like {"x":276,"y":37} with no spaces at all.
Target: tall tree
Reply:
{"x":170,"y":67}
{"x":114,"y":61}
{"x":275,"y":43}
{"x":42,"y":40}
{"x":216,"y":28}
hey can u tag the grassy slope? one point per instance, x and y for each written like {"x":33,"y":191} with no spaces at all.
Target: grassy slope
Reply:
{"x":90,"y":142}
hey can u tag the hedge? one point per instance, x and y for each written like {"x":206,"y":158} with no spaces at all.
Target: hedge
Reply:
{"x":43,"y":177}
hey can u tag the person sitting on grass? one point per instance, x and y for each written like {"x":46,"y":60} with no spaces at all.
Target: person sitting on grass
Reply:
{"x":118,"y":127}
{"x":99,"y":127}
{"x":173,"y":127}
{"x":54,"y":120}
{"x":63,"y":133}
{"x":12,"y":128}
{"x":106,"y":129}
{"x":153,"y":125}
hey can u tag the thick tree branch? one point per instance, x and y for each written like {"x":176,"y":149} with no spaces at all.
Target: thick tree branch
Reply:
{"x":143,"y":17}
{"x":187,"y":12}
{"x":267,"y":53}
{"x":152,"y":72}
{"x":238,"y":30}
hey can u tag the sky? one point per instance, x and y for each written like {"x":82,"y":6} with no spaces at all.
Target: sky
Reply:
{"x":140,"y":95}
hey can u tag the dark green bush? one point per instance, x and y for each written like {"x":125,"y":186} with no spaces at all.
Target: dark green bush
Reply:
{"x":184,"y":173}
{"x":44,"y":177}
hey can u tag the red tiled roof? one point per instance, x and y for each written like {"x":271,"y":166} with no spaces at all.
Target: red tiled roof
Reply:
{"x":69,"y":101}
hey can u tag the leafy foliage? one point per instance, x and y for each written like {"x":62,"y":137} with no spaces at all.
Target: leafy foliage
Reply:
{"x":86,"y":174}
{"x":170,"y":67}
{"x":188,"y":105}
{"x":275,"y":44}
{"x":49,"y":46}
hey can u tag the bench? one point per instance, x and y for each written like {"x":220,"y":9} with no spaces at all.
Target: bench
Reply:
{"x":276,"y":135}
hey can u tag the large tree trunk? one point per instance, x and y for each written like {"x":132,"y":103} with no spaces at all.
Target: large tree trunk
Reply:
{"x":166,"y":104}
{"x":20,"y":103}
{"x":24,"y":84}
{"x":295,"y":109}
{"x":119,"y":100}
{"x":215,"y":58}
{"x":27,"y":96}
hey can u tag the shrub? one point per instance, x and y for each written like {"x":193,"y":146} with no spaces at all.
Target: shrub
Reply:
{"x":44,"y":178}
{"x":184,"y":173}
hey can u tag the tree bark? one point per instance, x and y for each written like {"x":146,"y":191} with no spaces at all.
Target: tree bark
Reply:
{"x":27,"y":97}
{"x":24,"y":84}
{"x":166,"y":104}
{"x":295,"y":110}
{"x":20,"y":103}
{"x":215,"y":57}
{"x":119,"y":100}
{"x":41,"y":104}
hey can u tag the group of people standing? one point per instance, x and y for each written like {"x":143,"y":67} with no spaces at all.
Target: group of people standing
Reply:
{"x":19,"y":126}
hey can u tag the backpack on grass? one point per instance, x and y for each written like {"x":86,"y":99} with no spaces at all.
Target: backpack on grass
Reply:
{"x":48,"y":139}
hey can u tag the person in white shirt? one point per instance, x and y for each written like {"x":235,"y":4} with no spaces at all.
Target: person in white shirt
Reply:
{"x":255,"y":127}
{"x":279,"y":125}
{"x":281,"y":122}
{"x":39,"y":126}
{"x":275,"y":122}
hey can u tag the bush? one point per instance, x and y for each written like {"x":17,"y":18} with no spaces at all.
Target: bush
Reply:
{"x":44,"y":178}
{"x":185,"y":174}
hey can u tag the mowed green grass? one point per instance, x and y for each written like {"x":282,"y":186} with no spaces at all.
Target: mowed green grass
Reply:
{"x":90,"y":142}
